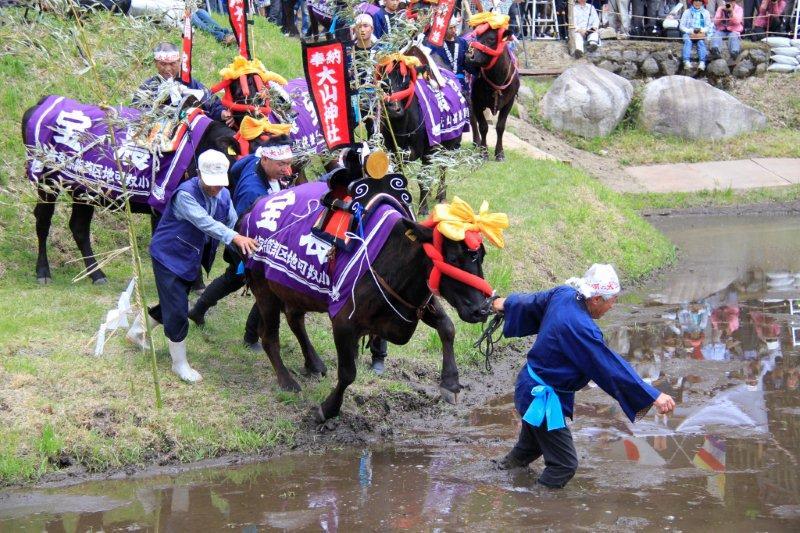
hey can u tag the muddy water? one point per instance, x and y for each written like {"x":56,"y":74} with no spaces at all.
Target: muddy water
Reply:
{"x":720,"y":332}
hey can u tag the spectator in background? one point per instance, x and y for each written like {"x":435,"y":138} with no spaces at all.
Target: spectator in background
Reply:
{"x":383,"y":22}
{"x":301,"y":8}
{"x":670,"y":14}
{"x":696,"y":26}
{"x":203,"y":21}
{"x":619,"y":16}
{"x":770,"y":17}
{"x":586,"y":22}
{"x":644,"y":20}
{"x":728,"y":23}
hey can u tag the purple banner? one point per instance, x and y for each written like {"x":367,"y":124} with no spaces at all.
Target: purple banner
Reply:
{"x":76,"y":137}
{"x":289,"y":253}
{"x":306,"y":133}
{"x":445,"y":112}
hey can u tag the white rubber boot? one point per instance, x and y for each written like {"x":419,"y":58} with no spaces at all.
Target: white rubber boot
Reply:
{"x":177,"y":350}
{"x":137,"y":334}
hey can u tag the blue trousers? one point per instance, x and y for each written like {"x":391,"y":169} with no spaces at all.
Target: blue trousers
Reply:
{"x":173,"y":302}
{"x":203,"y":21}
{"x":734,"y":42}
{"x":687,"y":48}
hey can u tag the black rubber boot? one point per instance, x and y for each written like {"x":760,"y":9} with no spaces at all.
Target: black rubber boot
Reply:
{"x":378,"y":348}
{"x":251,"y":339}
{"x":510,"y":462}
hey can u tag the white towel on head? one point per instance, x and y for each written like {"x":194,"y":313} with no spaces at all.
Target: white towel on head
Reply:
{"x":599,"y":280}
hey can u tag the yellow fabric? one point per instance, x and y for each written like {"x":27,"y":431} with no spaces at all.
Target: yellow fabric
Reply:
{"x":457,"y":218}
{"x":242,"y":66}
{"x":252,"y":127}
{"x":494,"y":20}
{"x":410,"y":61}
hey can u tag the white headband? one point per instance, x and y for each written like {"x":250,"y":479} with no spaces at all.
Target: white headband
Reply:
{"x":277,"y":152}
{"x":365,"y":18}
{"x":599,"y":280}
{"x":166,"y":55}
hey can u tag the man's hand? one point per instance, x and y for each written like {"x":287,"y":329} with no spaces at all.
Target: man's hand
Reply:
{"x":664,"y":404}
{"x":246,"y":245}
{"x":227,"y":118}
{"x":497,"y":305}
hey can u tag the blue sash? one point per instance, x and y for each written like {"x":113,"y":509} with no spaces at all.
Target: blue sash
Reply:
{"x":545,"y":403}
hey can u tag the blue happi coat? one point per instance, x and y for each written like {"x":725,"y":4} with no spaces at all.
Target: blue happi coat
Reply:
{"x":569,"y":352}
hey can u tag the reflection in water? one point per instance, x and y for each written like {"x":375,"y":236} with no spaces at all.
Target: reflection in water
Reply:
{"x":726,"y":347}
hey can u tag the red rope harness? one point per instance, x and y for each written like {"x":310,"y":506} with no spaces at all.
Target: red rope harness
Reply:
{"x":494,"y":53}
{"x":406,"y":94}
{"x":227,"y":98}
{"x":434,"y":251}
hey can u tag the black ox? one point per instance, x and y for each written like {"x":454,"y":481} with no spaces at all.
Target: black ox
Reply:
{"x":495,"y":87}
{"x":402,"y":268}
{"x":217,"y":136}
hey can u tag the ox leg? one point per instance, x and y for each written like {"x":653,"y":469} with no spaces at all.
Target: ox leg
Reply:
{"x":80,"y":224}
{"x":297,"y":322}
{"x":270,"y":308}
{"x":424,"y":191}
{"x":441,"y":192}
{"x":436,"y":317}
{"x":347,"y":350}
{"x":500,"y":129}
{"x":43,"y":212}
{"x":483,"y":130}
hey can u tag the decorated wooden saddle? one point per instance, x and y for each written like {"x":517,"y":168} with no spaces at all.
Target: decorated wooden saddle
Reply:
{"x":356,"y":189}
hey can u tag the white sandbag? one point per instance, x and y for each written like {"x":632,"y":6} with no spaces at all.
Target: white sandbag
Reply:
{"x":779,"y":67}
{"x":795,"y":42}
{"x":789,"y":51}
{"x":785,"y":60}
{"x":775,"y":42}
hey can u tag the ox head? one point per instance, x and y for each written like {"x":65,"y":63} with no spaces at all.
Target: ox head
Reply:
{"x":397,"y":75}
{"x":491,"y":37}
{"x":454,"y":243}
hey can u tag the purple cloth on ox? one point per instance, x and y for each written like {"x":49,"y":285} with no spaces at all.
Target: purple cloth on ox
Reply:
{"x":444,"y":112}
{"x":306,"y":134}
{"x":289,"y":254}
{"x":65,"y":128}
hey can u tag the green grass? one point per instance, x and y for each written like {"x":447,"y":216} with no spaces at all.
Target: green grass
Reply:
{"x":57,"y":400}
{"x":682,"y":200}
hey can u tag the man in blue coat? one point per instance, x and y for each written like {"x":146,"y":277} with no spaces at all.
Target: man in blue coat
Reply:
{"x":167,"y":59}
{"x":198,"y":217}
{"x":266,"y":172}
{"x":569,"y":352}
{"x":453,"y":52}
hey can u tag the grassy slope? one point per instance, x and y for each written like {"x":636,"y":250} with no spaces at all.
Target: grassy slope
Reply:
{"x":57,"y":401}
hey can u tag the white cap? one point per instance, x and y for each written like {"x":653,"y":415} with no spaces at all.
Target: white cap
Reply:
{"x":213,"y":168}
{"x":599,"y":280}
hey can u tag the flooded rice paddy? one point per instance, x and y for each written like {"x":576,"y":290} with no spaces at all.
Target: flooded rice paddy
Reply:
{"x":720,"y":332}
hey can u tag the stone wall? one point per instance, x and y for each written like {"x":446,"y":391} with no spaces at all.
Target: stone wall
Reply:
{"x":640,"y":59}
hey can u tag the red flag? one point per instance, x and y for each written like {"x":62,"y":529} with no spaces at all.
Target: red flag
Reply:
{"x":324,"y":65}
{"x":441,"y":18}
{"x":237,"y":14}
{"x":186,"y":52}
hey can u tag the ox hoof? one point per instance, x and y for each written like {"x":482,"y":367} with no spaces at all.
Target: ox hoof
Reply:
{"x":449,"y":396}
{"x":500,"y":157}
{"x":100,"y":281}
{"x":315,"y":372}
{"x":289,"y":385}
{"x":318,"y":415}
{"x":44,"y":281}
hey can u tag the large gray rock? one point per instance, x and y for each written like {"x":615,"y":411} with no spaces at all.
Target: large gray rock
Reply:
{"x":744,"y":69}
{"x":650,"y":67}
{"x":587,"y":101}
{"x":628,"y":70}
{"x":692,"y":109}
{"x":669,"y":67}
{"x":719,"y":67}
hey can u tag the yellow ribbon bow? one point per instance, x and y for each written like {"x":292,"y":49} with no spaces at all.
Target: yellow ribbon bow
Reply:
{"x":241,"y":66}
{"x":252,"y":127}
{"x":457,"y":218}
{"x":409,"y":61}
{"x":494,"y":20}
